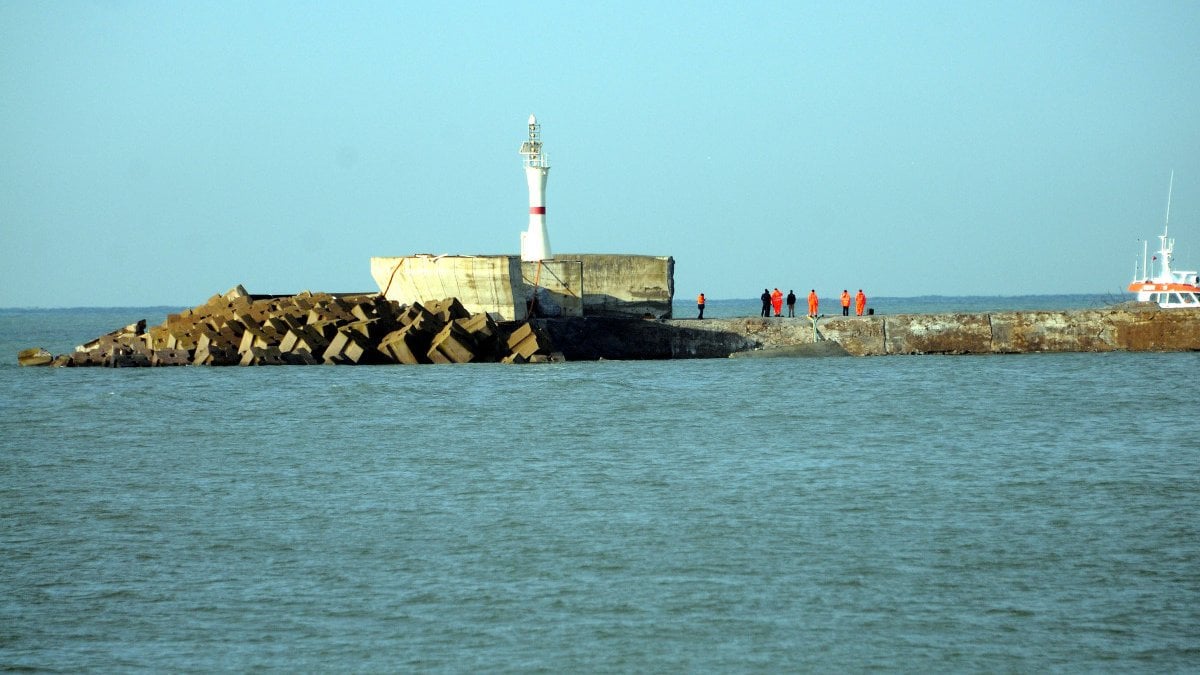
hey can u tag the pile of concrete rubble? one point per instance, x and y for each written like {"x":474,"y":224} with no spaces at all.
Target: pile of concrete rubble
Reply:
{"x":308,"y":329}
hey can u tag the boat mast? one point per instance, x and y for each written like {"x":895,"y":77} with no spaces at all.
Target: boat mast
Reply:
{"x":1170,"y":189}
{"x":1165,"y":245}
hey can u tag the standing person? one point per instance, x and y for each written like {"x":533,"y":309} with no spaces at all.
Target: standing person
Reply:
{"x":777,"y":301}
{"x":791,"y":302}
{"x":700,"y":305}
{"x":860,"y":303}
{"x":845,"y":302}
{"x":766,"y":300}
{"x":813,"y":302}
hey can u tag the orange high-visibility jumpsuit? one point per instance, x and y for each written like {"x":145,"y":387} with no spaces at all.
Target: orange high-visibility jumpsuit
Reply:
{"x":813,"y":303}
{"x":860,"y":303}
{"x":777,"y":301}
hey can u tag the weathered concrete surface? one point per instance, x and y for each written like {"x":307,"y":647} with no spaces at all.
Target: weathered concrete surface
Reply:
{"x":482,"y":283}
{"x":626,"y":285}
{"x":1124,"y":328}
{"x":558,"y":284}
{"x":570,"y":285}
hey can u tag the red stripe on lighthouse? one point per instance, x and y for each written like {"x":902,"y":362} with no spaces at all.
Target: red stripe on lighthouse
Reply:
{"x":537,"y":210}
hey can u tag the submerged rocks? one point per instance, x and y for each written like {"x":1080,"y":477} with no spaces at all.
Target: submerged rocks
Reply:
{"x":308,"y":329}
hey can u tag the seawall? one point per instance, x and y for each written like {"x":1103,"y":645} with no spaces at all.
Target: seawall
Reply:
{"x":240,"y":329}
{"x":1124,"y":328}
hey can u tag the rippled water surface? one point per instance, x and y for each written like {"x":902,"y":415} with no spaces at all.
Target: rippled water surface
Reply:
{"x":995,"y":513}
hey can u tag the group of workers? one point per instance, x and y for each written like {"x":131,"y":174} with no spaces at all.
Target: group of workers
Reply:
{"x":774,"y":300}
{"x":860,"y":303}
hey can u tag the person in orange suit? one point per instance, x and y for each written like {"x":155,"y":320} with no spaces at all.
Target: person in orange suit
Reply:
{"x":860,"y":303}
{"x":845,"y":302}
{"x":700,"y":305}
{"x":777,"y":301}
{"x":813,"y":302}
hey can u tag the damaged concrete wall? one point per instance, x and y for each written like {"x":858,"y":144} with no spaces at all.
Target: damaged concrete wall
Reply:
{"x":626,"y":285}
{"x":570,"y":285}
{"x":499,"y":285}
{"x":558,"y":284}
{"x":482,"y":283}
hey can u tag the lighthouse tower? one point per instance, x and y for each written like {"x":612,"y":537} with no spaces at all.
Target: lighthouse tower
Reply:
{"x":535,"y":242}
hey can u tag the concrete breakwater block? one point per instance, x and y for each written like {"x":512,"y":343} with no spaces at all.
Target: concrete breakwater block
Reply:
{"x":35,"y":356}
{"x":308,"y":329}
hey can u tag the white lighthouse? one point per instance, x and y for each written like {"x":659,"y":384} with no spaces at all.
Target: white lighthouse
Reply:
{"x":535,"y":241}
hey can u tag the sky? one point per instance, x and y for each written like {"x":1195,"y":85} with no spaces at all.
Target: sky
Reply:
{"x":156,"y":153}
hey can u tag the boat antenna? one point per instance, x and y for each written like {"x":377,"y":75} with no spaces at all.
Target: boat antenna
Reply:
{"x":1170,"y":189}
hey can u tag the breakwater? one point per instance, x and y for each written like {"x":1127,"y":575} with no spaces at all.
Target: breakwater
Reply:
{"x":238,"y":329}
{"x":1134,"y":328}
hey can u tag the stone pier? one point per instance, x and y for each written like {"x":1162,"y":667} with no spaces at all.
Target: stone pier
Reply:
{"x":1136,"y":328}
{"x":239,"y":329}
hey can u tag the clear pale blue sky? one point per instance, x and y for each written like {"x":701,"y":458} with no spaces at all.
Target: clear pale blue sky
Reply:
{"x":159,"y":152}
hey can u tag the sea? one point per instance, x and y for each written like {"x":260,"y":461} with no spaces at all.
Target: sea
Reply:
{"x":997,"y":513}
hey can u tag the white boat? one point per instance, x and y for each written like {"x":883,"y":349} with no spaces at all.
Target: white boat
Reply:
{"x":1170,"y":289}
